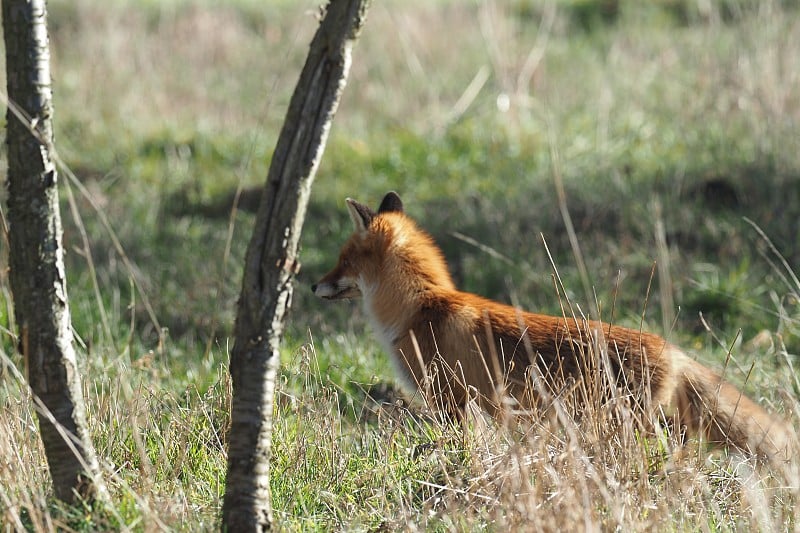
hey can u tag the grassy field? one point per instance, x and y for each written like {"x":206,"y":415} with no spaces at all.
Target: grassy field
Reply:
{"x":672,"y":129}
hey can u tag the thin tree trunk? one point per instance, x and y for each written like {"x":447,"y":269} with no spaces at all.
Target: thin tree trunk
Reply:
{"x":38,"y":282}
{"x":271,"y":263}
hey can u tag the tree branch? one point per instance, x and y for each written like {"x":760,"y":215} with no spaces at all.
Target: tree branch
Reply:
{"x":271,"y":263}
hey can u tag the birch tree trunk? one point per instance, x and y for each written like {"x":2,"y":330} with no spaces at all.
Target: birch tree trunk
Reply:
{"x":271,"y":263}
{"x":38,"y":282}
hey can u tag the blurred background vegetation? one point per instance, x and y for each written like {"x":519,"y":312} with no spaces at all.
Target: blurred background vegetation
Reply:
{"x":669,"y":124}
{"x":680,"y":115}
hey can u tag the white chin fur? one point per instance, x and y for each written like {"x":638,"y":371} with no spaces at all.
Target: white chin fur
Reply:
{"x":386,"y":334}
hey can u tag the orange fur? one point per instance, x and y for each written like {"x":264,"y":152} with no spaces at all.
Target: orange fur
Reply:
{"x":460,"y":346}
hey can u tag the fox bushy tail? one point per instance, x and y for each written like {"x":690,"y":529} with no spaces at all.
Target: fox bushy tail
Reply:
{"x":716,"y":410}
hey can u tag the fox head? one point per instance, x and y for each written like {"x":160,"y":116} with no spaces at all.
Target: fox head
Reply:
{"x":386,"y":250}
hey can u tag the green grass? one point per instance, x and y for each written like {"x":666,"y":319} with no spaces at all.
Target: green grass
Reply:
{"x":164,"y":109}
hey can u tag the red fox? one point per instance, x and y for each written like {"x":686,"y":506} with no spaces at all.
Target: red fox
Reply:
{"x":496,"y":354}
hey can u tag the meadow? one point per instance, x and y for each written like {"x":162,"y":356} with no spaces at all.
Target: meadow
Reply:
{"x":648,"y":153}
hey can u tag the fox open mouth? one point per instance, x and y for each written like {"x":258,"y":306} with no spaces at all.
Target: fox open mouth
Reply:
{"x":349,"y":293}
{"x":336,"y":296}
{"x":330,"y":293}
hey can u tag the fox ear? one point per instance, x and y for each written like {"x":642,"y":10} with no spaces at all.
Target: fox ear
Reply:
{"x":391,"y":202}
{"x":360,"y":214}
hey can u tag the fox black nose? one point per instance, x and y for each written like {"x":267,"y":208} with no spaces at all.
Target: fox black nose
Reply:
{"x":314,"y":288}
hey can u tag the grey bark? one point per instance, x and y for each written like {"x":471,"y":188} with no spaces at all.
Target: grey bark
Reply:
{"x":38,"y":282}
{"x":271,"y":263}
